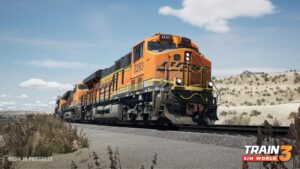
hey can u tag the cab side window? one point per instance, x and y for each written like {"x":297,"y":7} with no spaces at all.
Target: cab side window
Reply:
{"x":138,"y":51}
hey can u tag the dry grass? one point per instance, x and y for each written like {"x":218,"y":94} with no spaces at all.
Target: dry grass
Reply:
{"x":95,"y":162}
{"x":292,"y":138}
{"x":238,"y":120}
{"x":40,"y":135}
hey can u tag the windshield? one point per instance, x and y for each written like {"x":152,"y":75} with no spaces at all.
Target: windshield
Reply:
{"x":160,"y":46}
{"x":82,"y":87}
{"x":181,"y":45}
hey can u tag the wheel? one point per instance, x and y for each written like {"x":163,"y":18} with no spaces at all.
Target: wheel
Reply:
{"x":164,"y":123}
{"x":145,"y":118}
{"x":132,"y":117}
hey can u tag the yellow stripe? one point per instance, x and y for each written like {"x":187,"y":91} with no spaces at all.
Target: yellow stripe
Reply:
{"x":187,"y":98}
{"x":110,"y":75}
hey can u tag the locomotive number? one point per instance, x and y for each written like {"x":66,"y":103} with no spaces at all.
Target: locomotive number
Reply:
{"x":138,"y":67}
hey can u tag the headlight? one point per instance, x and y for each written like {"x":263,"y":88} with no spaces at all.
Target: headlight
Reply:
{"x":178,"y":81}
{"x":210,"y":84}
{"x":187,"y":56}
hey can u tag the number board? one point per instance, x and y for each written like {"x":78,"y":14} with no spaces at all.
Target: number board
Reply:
{"x":166,"y":37}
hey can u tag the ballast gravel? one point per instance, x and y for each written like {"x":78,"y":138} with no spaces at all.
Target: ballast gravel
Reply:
{"x":234,"y":141}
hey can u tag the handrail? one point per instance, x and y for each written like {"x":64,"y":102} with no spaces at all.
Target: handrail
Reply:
{"x":218,"y":92}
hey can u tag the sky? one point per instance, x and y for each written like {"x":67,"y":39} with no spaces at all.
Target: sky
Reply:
{"x":46,"y":46}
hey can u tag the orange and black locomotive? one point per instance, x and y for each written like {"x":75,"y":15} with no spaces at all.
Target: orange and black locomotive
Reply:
{"x":164,"y":79}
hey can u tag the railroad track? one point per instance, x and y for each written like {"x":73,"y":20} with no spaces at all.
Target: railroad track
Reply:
{"x":239,"y":130}
{"x":267,"y":130}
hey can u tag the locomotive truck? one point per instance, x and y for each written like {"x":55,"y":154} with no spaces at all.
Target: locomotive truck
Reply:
{"x":164,"y":79}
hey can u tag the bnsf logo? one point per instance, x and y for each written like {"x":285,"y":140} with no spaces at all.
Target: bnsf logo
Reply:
{"x":176,"y":65}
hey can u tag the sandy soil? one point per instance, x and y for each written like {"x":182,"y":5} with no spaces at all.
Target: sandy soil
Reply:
{"x":279,"y":113}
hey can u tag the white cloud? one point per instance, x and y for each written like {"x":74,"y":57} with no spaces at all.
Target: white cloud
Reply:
{"x":236,"y":71}
{"x":3,"y":95}
{"x":51,"y":102}
{"x":47,"y":42}
{"x":42,"y":84}
{"x":24,"y":96}
{"x":37,"y":106}
{"x":57,"y":64}
{"x":213,"y":15}
{"x":7,"y":103}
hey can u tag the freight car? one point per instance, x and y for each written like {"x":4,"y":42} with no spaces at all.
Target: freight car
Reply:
{"x":164,"y":79}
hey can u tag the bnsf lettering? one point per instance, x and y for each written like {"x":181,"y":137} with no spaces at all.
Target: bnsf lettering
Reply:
{"x":138,"y":67}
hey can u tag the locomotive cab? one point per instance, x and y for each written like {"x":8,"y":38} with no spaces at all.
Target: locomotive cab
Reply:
{"x":181,"y":74}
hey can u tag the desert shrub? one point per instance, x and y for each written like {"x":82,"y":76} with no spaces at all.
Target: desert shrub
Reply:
{"x":297,"y":79}
{"x":276,"y":122}
{"x":292,"y":115}
{"x":42,"y":135}
{"x":244,"y":114}
{"x":266,"y":79}
{"x":298,"y":89}
{"x":248,"y":103}
{"x":258,"y":102}
{"x":232,"y":104}
{"x":255,"y":113}
{"x":270,"y":116}
{"x":4,"y":162}
{"x":233,"y":112}
{"x":238,"y":120}
{"x":223,"y":113}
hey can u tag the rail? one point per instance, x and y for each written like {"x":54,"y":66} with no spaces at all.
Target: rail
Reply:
{"x":271,"y":131}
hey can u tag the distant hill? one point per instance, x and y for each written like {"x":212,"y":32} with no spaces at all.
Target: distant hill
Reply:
{"x":8,"y":112}
{"x":259,"y":88}
{"x":271,"y":93}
